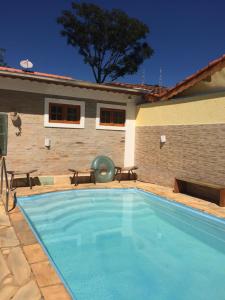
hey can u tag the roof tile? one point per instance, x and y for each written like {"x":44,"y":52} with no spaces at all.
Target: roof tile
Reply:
{"x":13,"y":70}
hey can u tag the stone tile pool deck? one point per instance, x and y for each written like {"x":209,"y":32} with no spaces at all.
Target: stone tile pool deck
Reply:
{"x":25,"y":271}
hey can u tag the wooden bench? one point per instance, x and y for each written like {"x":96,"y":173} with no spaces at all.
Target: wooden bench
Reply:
{"x":76,"y":173}
{"x":21,"y":173}
{"x":129,"y":170}
{"x":207,"y":191}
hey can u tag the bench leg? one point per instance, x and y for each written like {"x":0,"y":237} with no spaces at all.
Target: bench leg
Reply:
{"x":176,"y":188}
{"x":133,"y":175}
{"x":92,"y":177}
{"x":73,"y":178}
{"x":120,"y":175}
{"x":76,"y":179}
{"x":116,"y":172}
{"x":222,"y":198}
{"x":29,"y":182}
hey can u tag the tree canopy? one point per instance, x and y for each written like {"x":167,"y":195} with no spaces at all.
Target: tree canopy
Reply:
{"x":2,"y":58}
{"x":111,"y":42}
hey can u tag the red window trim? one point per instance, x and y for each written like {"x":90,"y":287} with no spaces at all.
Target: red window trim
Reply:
{"x":111,"y":117}
{"x":64,"y":113}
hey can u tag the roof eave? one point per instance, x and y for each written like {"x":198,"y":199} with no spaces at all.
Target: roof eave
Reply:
{"x":67,"y":82}
{"x":202,"y":74}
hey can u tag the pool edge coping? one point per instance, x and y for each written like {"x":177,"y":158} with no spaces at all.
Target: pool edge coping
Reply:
{"x":143,"y":187}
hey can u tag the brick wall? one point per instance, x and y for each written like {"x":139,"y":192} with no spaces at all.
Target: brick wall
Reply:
{"x":196,"y":151}
{"x":71,"y":148}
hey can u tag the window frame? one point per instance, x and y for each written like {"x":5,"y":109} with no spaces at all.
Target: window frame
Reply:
{"x":64,"y":123}
{"x":64,"y":113}
{"x":110,"y":107}
{"x":111,"y":123}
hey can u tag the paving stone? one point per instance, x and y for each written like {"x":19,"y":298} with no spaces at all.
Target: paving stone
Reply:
{"x":29,"y":291}
{"x":45,"y":274}
{"x":34,"y":253}
{"x":26,"y":237}
{"x":55,"y":292}
{"x":7,"y":292}
{"x":22,"y":229}
{"x":8,"y":280}
{"x":61,"y":180}
{"x":5,"y":251}
{"x":4,"y":270}
{"x":2,"y":208}
{"x":4,"y":220}
{"x":8,"y":237}
{"x":19,"y":266}
{"x":16,"y":216}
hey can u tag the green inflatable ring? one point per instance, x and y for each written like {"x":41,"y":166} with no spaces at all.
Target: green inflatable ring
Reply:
{"x":104,"y":169}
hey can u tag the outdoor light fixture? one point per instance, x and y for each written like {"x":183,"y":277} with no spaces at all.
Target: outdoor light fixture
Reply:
{"x":47,"y":142}
{"x":16,"y":121}
{"x":14,"y":115}
{"x":162,"y":139}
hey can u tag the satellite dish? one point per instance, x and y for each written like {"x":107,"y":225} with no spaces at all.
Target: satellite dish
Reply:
{"x":26,"y":64}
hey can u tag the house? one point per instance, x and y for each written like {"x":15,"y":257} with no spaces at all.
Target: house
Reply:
{"x":57,"y":122}
{"x":191,"y":116}
{"x":79,"y":120}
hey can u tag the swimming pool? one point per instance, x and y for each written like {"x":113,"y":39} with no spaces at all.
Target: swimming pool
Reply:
{"x":127,"y":244}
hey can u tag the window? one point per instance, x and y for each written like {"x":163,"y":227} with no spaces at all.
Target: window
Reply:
{"x":112,"y":117}
{"x":64,"y":113}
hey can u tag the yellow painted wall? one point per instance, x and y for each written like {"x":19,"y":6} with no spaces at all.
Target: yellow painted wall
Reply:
{"x":182,"y":112}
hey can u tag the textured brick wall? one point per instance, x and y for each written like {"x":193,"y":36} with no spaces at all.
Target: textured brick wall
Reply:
{"x":196,"y":151}
{"x":71,"y":148}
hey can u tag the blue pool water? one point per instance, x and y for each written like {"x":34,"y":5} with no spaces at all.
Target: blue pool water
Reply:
{"x":128,"y":245}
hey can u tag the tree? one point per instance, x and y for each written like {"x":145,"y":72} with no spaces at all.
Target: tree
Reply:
{"x":111,"y":42}
{"x":2,"y":60}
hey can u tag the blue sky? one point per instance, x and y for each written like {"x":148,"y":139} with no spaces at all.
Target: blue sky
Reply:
{"x":185,"y":35}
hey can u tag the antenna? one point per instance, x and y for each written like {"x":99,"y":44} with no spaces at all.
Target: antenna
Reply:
{"x":160,"y":77}
{"x":26,"y":64}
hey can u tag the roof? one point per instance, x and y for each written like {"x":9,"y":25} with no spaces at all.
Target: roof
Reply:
{"x":146,"y":88}
{"x":210,"y":69}
{"x":64,"y":80}
{"x":12,"y":70}
{"x":151,"y":93}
